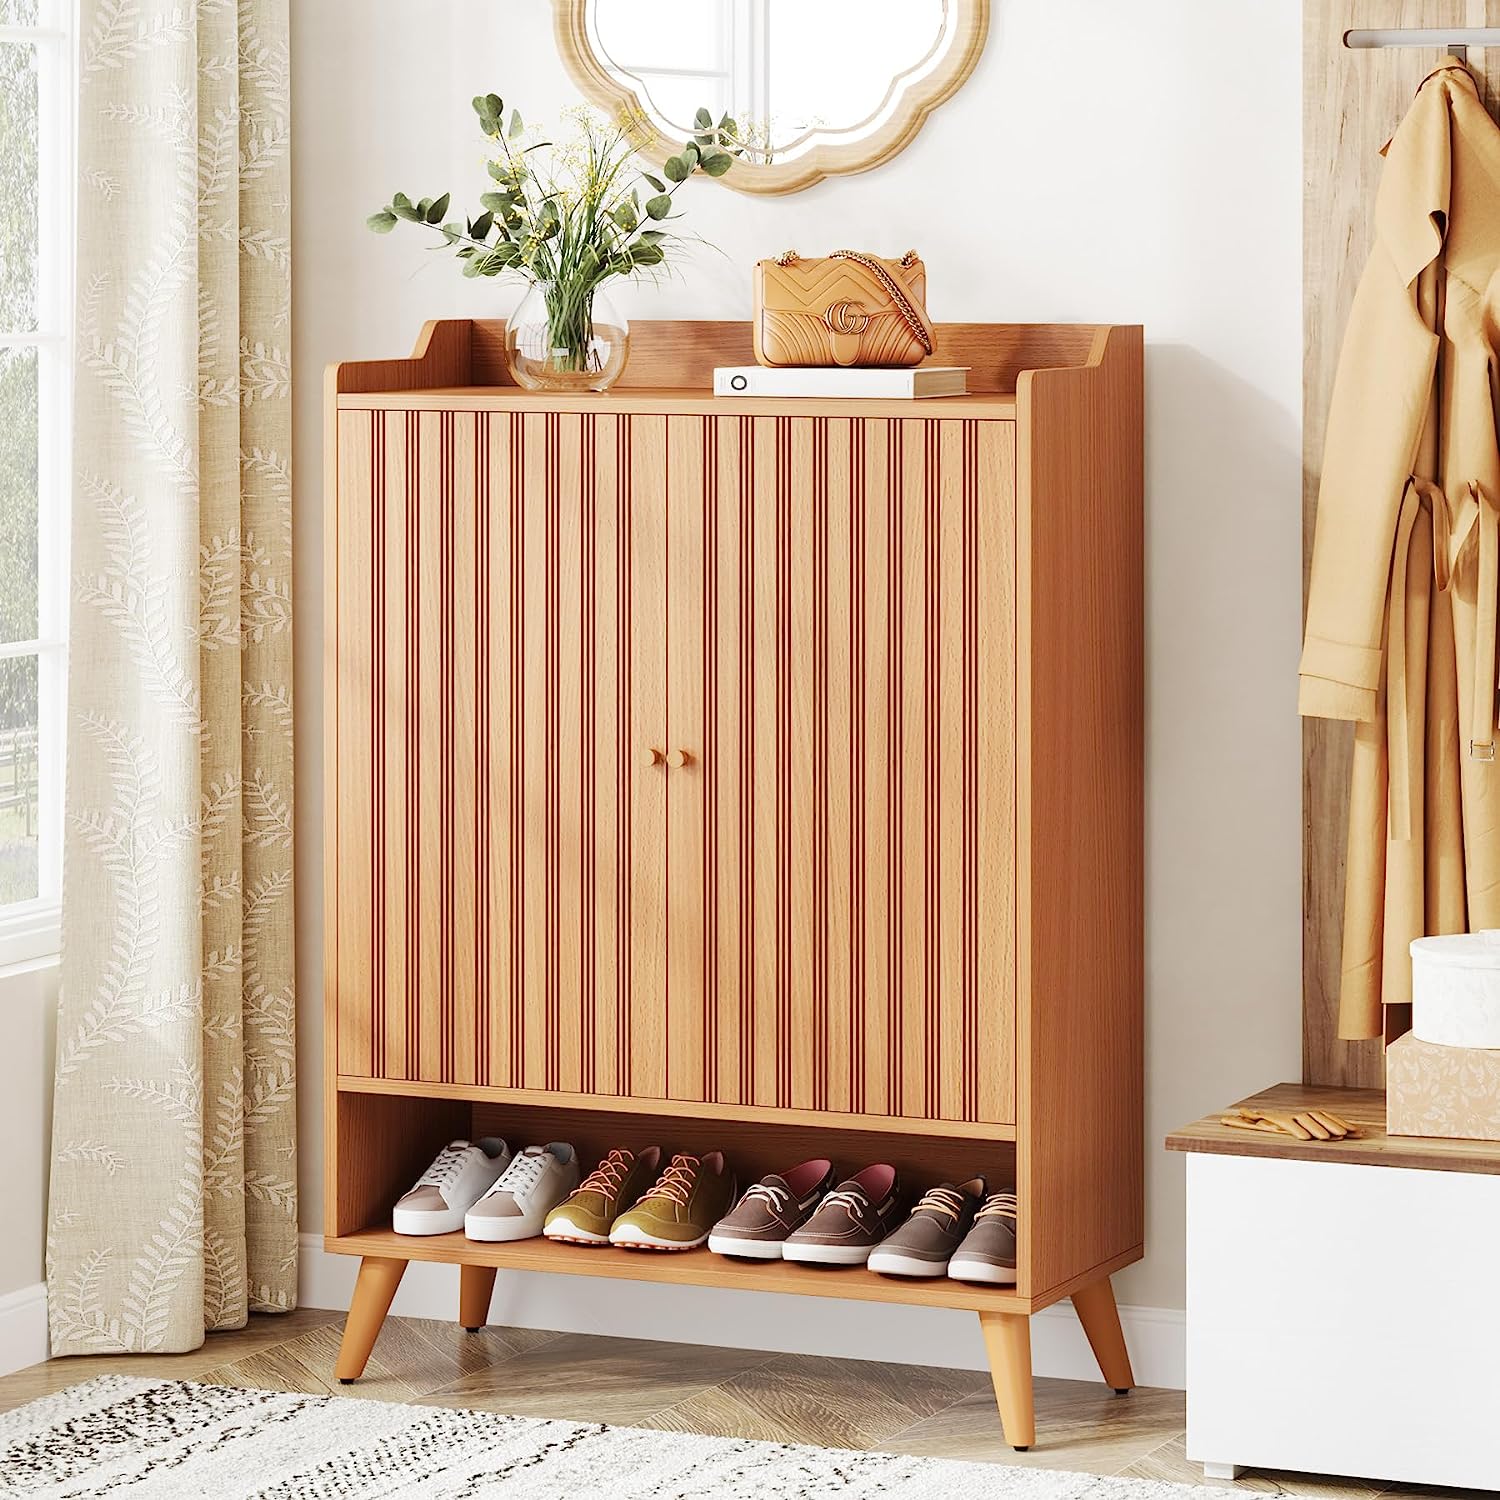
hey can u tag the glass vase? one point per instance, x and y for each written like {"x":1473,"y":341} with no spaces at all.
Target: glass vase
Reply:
{"x":566,"y":338}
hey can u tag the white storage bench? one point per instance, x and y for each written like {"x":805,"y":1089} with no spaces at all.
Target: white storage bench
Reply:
{"x":1343,"y":1299}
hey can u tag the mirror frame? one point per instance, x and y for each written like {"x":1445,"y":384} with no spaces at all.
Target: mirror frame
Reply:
{"x":592,"y":77}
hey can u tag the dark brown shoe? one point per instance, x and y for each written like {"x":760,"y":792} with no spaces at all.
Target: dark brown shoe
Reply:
{"x":850,"y":1221}
{"x":988,"y":1252}
{"x":771,"y":1210}
{"x":924,"y":1245}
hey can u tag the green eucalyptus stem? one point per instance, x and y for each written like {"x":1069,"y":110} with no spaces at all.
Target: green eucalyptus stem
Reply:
{"x":570,"y":324}
{"x":572,"y":219}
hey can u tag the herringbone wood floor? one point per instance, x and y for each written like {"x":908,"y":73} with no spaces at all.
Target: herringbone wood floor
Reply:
{"x":691,"y":1388}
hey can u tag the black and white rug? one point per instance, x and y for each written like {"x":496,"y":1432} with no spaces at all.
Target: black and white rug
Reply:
{"x":168,"y":1440}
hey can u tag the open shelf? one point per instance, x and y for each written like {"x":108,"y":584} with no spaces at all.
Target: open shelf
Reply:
{"x":681,"y":1267}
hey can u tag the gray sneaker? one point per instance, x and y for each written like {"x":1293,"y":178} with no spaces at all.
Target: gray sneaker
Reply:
{"x":988,"y":1253}
{"x":924,"y":1244}
{"x":534,"y":1183}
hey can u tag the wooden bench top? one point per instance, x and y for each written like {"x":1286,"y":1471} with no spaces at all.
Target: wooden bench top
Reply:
{"x":1362,"y":1107}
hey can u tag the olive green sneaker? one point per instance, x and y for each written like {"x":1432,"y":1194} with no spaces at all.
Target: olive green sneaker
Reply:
{"x":613,"y":1186}
{"x":689,"y":1198}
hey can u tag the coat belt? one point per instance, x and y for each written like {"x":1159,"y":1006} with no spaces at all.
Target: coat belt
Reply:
{"x":1472,"y":530}
{"x":1463,"y":536}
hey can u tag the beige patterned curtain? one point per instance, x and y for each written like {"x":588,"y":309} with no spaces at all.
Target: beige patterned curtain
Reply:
{"x":173,"y":1205}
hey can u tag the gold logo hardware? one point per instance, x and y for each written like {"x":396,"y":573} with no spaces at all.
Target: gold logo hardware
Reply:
{"x":846,"y":317}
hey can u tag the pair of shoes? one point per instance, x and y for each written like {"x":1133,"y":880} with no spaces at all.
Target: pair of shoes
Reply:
{"x":625,"y":1202}
{"x":963,"y":1231}
{"x":800,"y":1216}
{"x":479,"y":1187}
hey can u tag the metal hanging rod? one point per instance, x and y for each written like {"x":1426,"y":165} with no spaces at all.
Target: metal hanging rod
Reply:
{"x":1456,"y":40}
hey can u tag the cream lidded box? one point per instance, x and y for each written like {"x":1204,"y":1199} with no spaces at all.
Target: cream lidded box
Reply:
{"x":1455,"y":989}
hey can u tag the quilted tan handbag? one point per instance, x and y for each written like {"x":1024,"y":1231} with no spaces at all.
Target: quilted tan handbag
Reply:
{"x":842,"y":309}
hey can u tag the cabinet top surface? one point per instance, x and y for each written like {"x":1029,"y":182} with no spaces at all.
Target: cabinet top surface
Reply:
{"x":679,"y":401}
{"x":1362,"y":1107}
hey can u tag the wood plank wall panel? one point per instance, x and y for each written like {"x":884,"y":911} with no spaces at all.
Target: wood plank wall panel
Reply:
{"x":1353,"y":102}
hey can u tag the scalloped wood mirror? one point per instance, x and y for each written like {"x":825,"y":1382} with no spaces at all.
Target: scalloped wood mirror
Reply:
{"x":799,"y":89}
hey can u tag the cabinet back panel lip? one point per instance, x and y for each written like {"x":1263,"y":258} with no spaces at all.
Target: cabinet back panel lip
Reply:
{"x":689,"y":401}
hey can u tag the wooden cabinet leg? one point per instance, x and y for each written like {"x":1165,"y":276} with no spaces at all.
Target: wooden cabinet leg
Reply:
{"x":1095,"y":1306}
{"x":376,"y":1285}
{"x":475,"y":1286}
{"x":1007,"y":1341}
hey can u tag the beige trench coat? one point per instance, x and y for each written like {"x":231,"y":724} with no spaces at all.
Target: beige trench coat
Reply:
{"x":1401,"y":614}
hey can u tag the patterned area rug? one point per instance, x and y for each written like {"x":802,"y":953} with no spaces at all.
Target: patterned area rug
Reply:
{"x":167,"y":1439}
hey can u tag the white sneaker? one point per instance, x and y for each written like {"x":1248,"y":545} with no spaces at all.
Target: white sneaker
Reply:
{"x":537,"y":1180}
{"x":461,"y":1173}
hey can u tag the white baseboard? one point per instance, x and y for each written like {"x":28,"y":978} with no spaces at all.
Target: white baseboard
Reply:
{"x":23,"y":1328}
{"x":1157,"y":1336}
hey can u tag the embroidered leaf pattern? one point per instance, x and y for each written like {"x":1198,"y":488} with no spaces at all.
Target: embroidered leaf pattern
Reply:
{"x":177,"y":1012}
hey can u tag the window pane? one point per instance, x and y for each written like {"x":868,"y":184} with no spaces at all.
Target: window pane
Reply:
{"x":18,"y":494}
{"x":661,"y":33}
{"x":18,"y":183}
{"x":18,"y":779}
{"x":20,"y":13}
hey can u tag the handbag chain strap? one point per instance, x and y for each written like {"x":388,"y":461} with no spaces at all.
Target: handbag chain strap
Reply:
{"x":897,"y":293}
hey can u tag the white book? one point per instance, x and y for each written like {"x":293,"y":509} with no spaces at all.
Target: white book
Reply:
{"x":909,"y":384}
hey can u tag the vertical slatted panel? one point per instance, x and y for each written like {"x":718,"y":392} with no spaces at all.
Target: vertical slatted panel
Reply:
{"x":401,"y":809}
{"x":535,"y":633}
{"x":605,"y":770}
{"x":481,"y":603}
{"x":834,"y":731}
{"x":951,"y":1091}
{"x":727,"y":959}
{"x":817,"y":911}
{"x":361,"y":963}
{"x":688,"y":788}
{"x":911,"y":847}
{"x":874,"y":648}
{"x":764,"y":668}
{"x":990,"y":496}
{"x":566,"y":735}
{"x":429,"y":499}
{"x":459,"y":758}
{"x":797,"y":674}
{"x":643,"y":1027}
{"x":497,"y":568}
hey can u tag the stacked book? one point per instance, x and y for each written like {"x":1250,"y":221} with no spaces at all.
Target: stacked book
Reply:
{"x":831,"y":381}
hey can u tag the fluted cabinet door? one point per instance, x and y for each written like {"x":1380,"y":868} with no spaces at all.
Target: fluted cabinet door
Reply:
{"x":501,"y":657}
{"x":841,"y":837}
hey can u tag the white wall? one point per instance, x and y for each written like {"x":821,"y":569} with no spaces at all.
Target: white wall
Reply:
{"x":28,"y":1026}
{"x":1106,"y":162}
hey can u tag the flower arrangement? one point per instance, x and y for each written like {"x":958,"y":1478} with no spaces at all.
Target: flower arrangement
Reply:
{"x":568,"y":218}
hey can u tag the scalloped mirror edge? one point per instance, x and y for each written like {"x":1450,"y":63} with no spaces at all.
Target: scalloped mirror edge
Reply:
{"x":972,"y":23}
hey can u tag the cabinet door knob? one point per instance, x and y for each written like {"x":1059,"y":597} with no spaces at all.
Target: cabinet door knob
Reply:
{"x":677,"y":759}
{"x":653,"y":757}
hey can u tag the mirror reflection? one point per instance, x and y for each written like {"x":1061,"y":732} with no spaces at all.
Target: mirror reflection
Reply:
{"x":791,"y":75}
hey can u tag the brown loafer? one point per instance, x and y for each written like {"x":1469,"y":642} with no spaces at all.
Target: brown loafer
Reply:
{"x":924,"y":1245}
{"x":988,"y":1252}
{"x":850,"y":1221}
{"x":771,"y":1210}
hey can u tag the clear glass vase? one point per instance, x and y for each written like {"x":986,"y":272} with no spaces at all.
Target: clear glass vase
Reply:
{"x":563,"y":338}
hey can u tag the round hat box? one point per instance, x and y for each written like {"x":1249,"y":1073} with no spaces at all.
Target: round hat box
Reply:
{"x":1455,"y":989}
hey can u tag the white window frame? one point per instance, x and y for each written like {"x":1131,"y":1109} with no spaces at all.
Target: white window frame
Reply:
{"x":29,"y":930}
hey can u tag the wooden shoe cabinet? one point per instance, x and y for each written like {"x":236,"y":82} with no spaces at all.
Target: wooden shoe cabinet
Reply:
{"x":738,"y":773}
